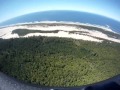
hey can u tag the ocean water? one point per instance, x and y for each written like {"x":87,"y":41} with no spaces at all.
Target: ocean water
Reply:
{"x":63,"y":15}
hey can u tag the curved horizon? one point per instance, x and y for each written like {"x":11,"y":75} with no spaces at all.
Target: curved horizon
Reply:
{"x":65,"y":15}
{"x":58,"y":10}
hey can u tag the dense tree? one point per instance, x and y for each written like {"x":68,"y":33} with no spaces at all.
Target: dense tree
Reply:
{"x":59,"y":61}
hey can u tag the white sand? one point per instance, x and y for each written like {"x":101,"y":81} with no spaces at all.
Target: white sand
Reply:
{"x":89,"y":35}
{"x":107,"y":27}
{"x":65,"y":35}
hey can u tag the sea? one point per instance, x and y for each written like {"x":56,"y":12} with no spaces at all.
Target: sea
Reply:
{"x":65,"y":15}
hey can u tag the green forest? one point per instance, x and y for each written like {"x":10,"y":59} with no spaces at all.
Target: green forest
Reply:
{"x":52,"y":61}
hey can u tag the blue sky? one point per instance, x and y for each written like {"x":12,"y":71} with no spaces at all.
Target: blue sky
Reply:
{"x":13,"y":8}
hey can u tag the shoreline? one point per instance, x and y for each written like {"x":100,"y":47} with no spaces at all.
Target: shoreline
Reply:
{"x":81,"y":31}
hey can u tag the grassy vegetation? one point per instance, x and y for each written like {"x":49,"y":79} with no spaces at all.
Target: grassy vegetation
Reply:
{"x":54,"y":61}
{"x":110,"y":34}
{"x":23,"y":32}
